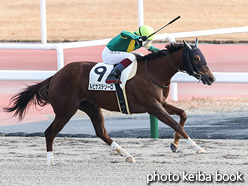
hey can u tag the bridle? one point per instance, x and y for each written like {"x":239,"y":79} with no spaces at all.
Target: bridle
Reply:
{"x":188,"y":66}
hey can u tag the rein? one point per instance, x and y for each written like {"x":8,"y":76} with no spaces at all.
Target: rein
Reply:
{"x":178,"y":70}
{"x":161,"y":86}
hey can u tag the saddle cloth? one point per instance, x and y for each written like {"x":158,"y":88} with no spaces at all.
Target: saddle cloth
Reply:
{"x":100,"y":72}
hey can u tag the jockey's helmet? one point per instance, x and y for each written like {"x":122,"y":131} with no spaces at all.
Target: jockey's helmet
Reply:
{"x":145,"y":30}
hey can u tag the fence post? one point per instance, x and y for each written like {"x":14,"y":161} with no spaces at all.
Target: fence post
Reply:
{"x":43,"y":21}
{"x":60,"y":57}
{"x":174,"y":94}
{"x":154,"y":127}
{"x":140,"y":13}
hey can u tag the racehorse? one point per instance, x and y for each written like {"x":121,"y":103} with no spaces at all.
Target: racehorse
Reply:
{"x":147,"y":91}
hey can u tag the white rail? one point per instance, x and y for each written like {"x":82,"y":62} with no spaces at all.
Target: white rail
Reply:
{"x":173,"y":36}
{"x":27,"y":75}
{"x":59,"y":47}
{"x":221,"y":77}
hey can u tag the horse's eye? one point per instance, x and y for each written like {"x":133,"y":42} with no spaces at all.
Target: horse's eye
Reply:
{"x":196,"y":58}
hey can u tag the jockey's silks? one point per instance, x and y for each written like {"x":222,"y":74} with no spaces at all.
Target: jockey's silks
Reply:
{"x":127,"y":42}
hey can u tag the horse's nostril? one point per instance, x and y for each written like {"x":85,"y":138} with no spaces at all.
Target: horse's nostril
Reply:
{"x":210,"y":79}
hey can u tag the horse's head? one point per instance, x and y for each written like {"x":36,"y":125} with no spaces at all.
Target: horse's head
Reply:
{"x":194,"y":63}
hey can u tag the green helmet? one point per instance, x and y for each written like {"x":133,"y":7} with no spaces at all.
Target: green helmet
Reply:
{"x":145,"y":30}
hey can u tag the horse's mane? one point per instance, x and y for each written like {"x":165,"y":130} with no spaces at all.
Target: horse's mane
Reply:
{"x":171,"y":48}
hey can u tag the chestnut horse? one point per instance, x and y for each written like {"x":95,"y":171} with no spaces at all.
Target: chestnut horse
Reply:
{"x":67,"y":91}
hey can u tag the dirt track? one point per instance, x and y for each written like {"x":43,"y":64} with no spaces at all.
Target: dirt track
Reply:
{"x":90,"y":162}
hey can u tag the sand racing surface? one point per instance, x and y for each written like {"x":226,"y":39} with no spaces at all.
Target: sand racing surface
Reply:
{"x":91,"y":162}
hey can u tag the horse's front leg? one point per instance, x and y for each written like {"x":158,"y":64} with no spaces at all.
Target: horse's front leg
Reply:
{"x":157,"y":110}
{"x":114,"y":146}
{"x":182,"y":114}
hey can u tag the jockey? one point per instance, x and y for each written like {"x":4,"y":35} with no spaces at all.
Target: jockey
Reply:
{"x":119,"y":49}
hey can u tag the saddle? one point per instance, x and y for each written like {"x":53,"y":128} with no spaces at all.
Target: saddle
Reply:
{"x":100,"y":72}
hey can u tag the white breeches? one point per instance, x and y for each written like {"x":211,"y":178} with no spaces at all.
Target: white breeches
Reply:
{"x":114,"y":57}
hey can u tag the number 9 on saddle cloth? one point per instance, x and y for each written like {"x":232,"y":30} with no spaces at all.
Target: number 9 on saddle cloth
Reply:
{"x":100,"y":72}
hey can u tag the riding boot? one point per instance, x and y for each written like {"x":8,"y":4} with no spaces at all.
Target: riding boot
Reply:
{"x":115,"y":74}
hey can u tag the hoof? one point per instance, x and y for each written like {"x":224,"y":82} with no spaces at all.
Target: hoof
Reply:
{"x":130,"y":159}
{"x":201,"y":151}
{"x":174,"y":147}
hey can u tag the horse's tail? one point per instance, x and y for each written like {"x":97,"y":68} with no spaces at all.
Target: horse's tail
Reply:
{"x":36,"y":94}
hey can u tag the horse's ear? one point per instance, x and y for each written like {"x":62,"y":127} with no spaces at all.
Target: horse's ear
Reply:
{"x":196,"y":42}
{"x":187,"y":45}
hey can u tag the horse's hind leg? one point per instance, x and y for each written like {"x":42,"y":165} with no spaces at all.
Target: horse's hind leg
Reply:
{"x":181,"y":113}
{"x":96,"y":116}
{"x":56,"y":126}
